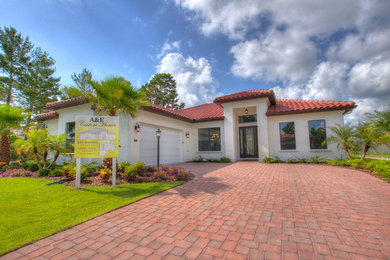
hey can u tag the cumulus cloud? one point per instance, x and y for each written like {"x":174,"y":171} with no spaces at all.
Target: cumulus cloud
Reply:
{"x":280,"y":56}
{"x":194,"y":81}
{"x":169,"y":47}
{"x":336,"y":50}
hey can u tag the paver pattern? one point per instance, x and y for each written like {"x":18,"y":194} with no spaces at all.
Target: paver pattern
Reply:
{"x":244,"y":210}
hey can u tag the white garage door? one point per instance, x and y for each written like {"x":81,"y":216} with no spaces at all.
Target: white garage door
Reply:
{"x":171,"y":147}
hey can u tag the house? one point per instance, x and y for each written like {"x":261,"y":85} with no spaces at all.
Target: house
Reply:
{"x":247,"y":125}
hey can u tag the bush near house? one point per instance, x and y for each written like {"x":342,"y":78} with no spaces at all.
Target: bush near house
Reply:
{"x":380,"y":168}
{"x":220,"y":160}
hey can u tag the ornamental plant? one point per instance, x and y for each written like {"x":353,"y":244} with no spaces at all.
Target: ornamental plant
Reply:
{"x":105,"y":174}
{"x":17,"y":173}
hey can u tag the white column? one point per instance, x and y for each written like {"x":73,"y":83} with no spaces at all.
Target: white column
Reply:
{"x":228,"y":126}
{"x":262,"y":130}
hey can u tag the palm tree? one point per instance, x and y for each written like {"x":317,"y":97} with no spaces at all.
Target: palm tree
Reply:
{"x":36,"y":144}
{"x":381,"y":122}
{"x":58,"y":144}
{"x":10,"y":118}
{"x":368,"y":134}
{"x":113,"y":95}
{"x":343,"y":137}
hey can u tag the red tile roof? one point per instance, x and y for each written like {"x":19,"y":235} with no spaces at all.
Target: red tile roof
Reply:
{"x":47,"y":116}
{"x":214,"y":111}
{"x":66,"y":103}
{"x":248,"y":94}
{"x":205,"y":112}
{"x":291,"y":106}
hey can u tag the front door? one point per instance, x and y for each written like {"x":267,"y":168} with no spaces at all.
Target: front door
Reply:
{"x":248,"y":142}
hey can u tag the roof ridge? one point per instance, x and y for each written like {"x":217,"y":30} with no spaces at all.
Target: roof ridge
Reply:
{"x":310,"y":100}
{"x":197,"y":106}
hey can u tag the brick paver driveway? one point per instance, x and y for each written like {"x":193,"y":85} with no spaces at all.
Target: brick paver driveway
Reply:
{"x":240,"y":210}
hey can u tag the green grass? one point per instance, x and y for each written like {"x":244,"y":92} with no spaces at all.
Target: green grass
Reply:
{"x":373,"y":155}
{"x":29,"y":210}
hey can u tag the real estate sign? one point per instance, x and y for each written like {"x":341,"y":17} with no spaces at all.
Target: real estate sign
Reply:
{"x":96,"y":136}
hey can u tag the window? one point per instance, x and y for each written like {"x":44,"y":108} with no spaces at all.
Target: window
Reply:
{"x":209,"y":139}
{"x":247,"y":119}
{"x":317,"y":133}
{"x":70,"y":129}
{"x":287,"y":136}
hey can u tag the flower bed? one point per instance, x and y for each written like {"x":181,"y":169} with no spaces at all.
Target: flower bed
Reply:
{"x":94,"y":174}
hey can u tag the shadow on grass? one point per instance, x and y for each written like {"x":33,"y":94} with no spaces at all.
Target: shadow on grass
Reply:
{"x":132,"y":190}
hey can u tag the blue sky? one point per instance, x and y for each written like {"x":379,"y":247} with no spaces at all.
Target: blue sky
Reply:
{"x":335,"y":50}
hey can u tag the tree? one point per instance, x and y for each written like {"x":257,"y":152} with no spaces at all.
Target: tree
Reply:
{"x":81,"y":80}
{"x":370,"y":137}
{"x":381,"y":122}
{"x":113,"y":95}
{"x":39,"y":79}
{"x":343,"y":138}
{"x":161,"y":90}
{"x":10,"y":118}
{"x":14,"y":60}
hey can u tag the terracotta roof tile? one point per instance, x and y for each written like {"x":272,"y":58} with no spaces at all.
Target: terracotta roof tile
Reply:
{"x":47,"y":116}
{"x":205,"y":112}
{"x":66,"y":103}
{"x":247,"y":94}
{"x":291,"y":106}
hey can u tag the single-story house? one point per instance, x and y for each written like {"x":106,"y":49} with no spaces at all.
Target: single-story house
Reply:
{"x":247,"y":125}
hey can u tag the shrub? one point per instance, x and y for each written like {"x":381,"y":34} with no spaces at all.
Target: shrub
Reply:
{"x":44,"y":172}
{"x":212,"y":160}
{"x":129,"y":173}
{"x":302,"y":160}
{"x":315,"y":159}
{"x":17,"y":173}
{"x":199,"y":159}
{"x":291,"y":160}
{"x":123,"y":165}
{"x":267,"y":159}
{"x":92,"y":167}
{"x":69,"y":170}
{"x":55,"y":173}
{"x":224,"y":159}
{"x":30,"y":165}
{"x":105,"y":174}
{"x":139,"y":167}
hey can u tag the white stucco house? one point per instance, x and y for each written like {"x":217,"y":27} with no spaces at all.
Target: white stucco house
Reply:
{"x":247,"y":125}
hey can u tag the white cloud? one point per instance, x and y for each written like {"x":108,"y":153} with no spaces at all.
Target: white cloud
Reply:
{"x":169,"y":47}
{"x":280,"y":56}
{"x":317,"y":49}
{"x":370,"y":79}
{"x":195,"y":84}
{"x":361,"y":46}
{"x":328,"y":82}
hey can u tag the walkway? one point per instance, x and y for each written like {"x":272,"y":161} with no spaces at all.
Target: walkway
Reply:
{"x":238,"y":211}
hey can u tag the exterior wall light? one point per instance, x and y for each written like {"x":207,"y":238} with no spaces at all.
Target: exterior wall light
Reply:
{"x":246,"y":111}
{"x":158,"y":134}
{"x":137,"y":127}
{"x":188,"y":134}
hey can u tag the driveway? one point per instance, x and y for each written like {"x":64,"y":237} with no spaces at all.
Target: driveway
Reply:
{"x":238,"y":211}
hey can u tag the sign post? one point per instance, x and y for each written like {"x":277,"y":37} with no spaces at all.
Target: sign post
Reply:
{"x":96,"y":137}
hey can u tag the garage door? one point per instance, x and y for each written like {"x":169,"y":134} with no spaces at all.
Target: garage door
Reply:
{"x":171,"y":147}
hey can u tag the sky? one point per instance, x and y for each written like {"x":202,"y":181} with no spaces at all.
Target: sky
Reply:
{"x":303,"y":49}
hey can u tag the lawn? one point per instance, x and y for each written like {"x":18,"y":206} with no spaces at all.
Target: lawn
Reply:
{"x":29,"y":210}
{"x":373,"y":155}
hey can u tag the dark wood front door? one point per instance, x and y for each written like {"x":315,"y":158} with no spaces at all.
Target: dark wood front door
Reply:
{"x":248,"y":142}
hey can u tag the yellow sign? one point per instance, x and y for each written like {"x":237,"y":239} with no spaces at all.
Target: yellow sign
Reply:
{"x":96,"y":136}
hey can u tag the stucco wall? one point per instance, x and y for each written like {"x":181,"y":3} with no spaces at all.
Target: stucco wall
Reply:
{"x":152,"y":119}
{"x":52,"y":126}
{"x":194,"y":140}
{"x":232,"y":110}
{"x":302,"y":135}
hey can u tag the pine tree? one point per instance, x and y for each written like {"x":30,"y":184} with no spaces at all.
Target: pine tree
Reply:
{"x":14,"y":60}
{"x":38,"y":79}
{"x":161,"y":90}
